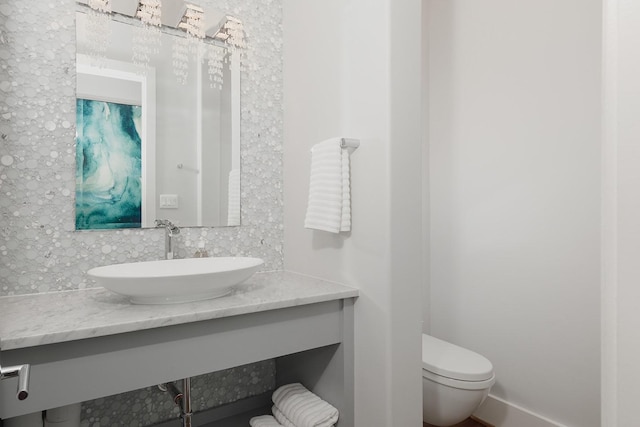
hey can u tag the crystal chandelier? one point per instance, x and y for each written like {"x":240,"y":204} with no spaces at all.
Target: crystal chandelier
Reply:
{"x":231,"y":33}
{"x":193,"y":21}
{"x":147,"y":37}
{"x":235,"y":30}
{"x":198,"y":45}
{"x":150,"y":12}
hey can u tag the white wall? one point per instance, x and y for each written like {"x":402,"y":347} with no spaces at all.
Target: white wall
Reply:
{"x":426,"y":208}
{"x":515,"y":186}
{"x":352,"y":69}
{"x":621,"y":215}
{"x":609,"y":303}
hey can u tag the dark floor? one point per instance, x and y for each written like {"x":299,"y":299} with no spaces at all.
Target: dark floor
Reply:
{"x":466,"y":423}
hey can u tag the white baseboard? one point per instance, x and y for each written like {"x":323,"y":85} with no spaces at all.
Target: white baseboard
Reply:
{"x":501,"y":413}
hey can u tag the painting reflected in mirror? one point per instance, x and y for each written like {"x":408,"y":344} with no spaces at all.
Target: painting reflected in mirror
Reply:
{"x":109,"y":167}
{"x":158,"y":129}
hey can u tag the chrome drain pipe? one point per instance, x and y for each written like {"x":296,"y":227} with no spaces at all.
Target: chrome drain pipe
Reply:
{"x":181,"y":398}
{"x":20,"y":371}
{"x":176,"y":395}
{"x":186,"y":403}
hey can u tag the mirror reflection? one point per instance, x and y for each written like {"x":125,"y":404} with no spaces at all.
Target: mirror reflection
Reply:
{"x":158,"y":126}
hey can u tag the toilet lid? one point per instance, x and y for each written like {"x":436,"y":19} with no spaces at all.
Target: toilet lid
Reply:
{"x":449,"y":360}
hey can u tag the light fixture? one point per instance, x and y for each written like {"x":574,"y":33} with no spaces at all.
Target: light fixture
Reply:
{"x":229,"y":32}
{"x":150,"y":12}
{"x":201,"y":41}
{"x":193,"y":21}
{"x":235,"y":33}
{"x":103,"y":6}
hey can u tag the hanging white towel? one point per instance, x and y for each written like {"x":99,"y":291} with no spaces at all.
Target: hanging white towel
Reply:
{"x":233,"y":209}
{"x":264,"y":421}
{"x":302,"y":408}
{"x":329,"y":206}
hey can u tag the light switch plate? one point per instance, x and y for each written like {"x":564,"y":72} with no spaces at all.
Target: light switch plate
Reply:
{"x":169,"y":201}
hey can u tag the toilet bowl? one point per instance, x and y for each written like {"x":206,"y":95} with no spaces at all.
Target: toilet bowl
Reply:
{"x":455,"y":381}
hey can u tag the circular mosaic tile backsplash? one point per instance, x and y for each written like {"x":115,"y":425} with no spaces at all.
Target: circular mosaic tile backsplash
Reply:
{"x":40,"y":251}
{"x":39,"y":247}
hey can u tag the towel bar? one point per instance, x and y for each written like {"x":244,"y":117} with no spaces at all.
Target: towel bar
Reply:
{"x":349,"y":143}
{"x":187,"y":168}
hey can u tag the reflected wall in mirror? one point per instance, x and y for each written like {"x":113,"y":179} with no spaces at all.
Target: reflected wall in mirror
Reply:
{"x":153,"y":142}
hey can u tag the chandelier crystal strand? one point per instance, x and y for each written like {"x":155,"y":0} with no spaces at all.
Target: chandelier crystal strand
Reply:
{"x":235,"y":29}
{"x":98,"y":29}
{"x":236,"y":40}
{"x":180,"y":59}
{"x":231,"y":35}
{"x":215,"y":56}
{"x":192,"y":23}
{"x":195,"y":27}
{"x":147,"y":37}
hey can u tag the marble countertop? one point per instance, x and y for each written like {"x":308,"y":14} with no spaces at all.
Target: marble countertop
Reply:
{"x":31,"y":320}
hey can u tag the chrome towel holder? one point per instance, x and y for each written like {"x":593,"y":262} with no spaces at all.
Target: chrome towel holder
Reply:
{"x":349,"y":143}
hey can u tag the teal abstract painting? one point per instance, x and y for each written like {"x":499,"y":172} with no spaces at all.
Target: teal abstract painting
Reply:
{"x":108,"y":165}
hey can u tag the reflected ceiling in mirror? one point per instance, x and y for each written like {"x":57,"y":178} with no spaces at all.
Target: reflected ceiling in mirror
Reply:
{"x":158,"y":118}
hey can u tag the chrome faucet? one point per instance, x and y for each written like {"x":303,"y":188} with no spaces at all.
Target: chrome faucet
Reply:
{"x":170,"y":230}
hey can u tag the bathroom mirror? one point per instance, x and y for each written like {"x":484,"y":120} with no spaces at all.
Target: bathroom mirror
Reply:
{"x":161,"y":140}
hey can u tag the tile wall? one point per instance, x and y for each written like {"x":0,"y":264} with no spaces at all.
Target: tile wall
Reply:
{"x":39,"y":249}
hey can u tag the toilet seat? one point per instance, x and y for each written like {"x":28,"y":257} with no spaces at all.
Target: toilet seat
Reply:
{"x":463,"y":385}
{"x":458,"y":367}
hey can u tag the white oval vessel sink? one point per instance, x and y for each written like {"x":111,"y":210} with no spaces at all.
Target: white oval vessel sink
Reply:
{"x":176,"y":280}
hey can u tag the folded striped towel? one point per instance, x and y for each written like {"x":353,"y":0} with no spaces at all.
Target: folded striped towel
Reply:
{"x":264,"y":421}
{"x":329,"y":205}
{"x":302,"y":408}
{"x":281,"y":418}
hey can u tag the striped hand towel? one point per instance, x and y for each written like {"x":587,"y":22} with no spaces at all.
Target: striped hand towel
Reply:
{"x":302,"y":408}
{"x":264,"y":421}
{"x":281,"y":418}
{"x":329,"y":206}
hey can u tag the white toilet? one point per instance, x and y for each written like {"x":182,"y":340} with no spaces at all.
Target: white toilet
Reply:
{"x":455,"y":381}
